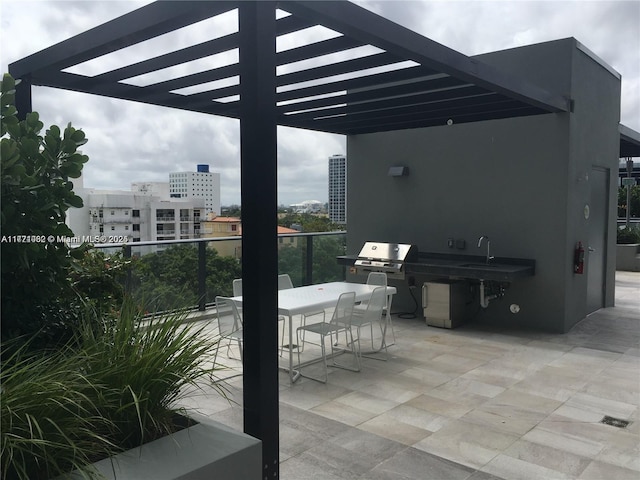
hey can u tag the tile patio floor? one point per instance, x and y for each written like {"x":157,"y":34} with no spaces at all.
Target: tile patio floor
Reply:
{"x":473,"y":403}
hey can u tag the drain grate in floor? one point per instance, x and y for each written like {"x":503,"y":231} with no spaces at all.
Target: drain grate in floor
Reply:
{"x":615,"y":422}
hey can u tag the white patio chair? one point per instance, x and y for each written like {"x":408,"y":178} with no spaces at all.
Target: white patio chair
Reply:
{"x":284,"y":281}
{"x":340,"y":322}
{"x":229,"y":325}
{"x":380,"y":278}
{"x":237,"y":292}
{"x":237,"y":287}
{"x":368,"y":316}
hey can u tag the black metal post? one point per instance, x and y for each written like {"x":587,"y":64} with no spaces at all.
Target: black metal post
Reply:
{"x":629,"y":171}
{"x":202,"y":276}
{"x":23,"y":97}
{"x":126,"y":253}
{"x":309,"y":261}
{"x":258,"y":139}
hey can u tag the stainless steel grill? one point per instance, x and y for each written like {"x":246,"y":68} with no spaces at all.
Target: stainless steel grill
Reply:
{"x":385,"y":257}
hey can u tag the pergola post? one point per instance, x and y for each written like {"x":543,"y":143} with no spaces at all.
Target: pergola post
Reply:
{"x":258,"y":139}
{"x":23,"y":96}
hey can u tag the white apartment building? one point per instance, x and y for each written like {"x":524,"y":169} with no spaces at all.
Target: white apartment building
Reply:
{"x":200,"y":184}
{"x":338,"y":188}
{"x":146,"y":213}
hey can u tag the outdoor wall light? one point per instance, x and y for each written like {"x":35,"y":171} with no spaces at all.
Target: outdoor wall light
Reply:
{"x":398,"y":171}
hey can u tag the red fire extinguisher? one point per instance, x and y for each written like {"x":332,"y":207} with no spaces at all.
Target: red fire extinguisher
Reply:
{"x":578,"y":259}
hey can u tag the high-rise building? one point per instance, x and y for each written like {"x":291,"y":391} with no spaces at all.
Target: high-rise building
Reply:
{"x":338,"y":188}
{"x":200,"y":184}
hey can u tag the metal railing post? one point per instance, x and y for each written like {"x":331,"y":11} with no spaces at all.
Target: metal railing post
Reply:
{"x":202,"y":275}
{"x":126,"y":252}
{"x":308,"y":280}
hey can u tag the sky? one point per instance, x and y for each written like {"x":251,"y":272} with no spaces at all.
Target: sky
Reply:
{"x":131,"y":142}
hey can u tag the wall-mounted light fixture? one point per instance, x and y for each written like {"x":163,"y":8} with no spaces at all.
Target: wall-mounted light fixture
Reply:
{"x":398,"y":171}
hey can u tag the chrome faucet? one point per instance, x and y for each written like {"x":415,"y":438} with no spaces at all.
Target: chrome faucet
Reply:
{"x":484,"y":237}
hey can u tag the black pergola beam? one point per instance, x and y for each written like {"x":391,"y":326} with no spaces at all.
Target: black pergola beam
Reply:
{"x":338,"y":68}
{"x":402,"y":123}
{"x":142,"y":24}
{"x":373,"y":81}
{"x":410,"y":107}
{"x":354,"y":21}
{"x":188,"y":54}
{"x":324,"y":47}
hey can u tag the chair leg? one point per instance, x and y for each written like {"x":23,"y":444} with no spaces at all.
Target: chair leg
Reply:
{"x":354,"y":351}
{"x":284,"y":326}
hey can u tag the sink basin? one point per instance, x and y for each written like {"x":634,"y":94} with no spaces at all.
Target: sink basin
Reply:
{"x":479,"y":265}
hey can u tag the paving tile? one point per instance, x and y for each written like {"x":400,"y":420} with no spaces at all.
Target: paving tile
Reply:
{"x":508,"y":424}
{"x":615,"y":389}
{"x":309,"y":394}
{"x":350,"y":455}
{"x":466,"y":443}
{"x":565,"y":437}
{"x":340,"y":412}
{"x":516,"y":469}
{"x":600,"y":406}
{"x":600,"y":470}
{"x":389,"y":426}
{"x":439,"y":406}
{"x":519,"y":404}
{"x":413,"y":464}
{"x":426,"y":378}
{"x":419,"y":418}
{"x":396,"y":389}
{"x":623,"y":450}
{"x":545,"y":456}
{"x":363,"y":400}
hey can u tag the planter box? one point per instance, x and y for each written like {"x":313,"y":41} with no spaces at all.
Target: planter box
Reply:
{"x":206,"y":450}
{"x":628,"y":257}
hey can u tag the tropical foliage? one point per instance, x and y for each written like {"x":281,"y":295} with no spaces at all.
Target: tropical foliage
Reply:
{"x":634,"y":203}
{"x":169,"y":278}
{"x":35,"y":170}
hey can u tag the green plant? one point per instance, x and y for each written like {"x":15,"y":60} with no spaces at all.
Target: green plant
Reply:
{"x":146,"y":364}
{"x":634,"y":204}
{"x":49,"y":417}
{"x":627,"y":235}
{"x":36,"y":192}
{"x":110,"y":390}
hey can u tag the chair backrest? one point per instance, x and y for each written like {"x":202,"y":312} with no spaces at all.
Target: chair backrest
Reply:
{"x":237,"y":287}
{"x":344,"y":309}
{"x":376,"y":304}
{"x":377,"y":278}
{"x":229,"y":319}
{"x":284,"y":282}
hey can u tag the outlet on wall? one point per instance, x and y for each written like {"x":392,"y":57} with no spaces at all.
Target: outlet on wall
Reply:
{"x":450,"y":242}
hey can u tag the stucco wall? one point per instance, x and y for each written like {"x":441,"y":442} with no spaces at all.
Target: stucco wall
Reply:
{"x":514,"y":180}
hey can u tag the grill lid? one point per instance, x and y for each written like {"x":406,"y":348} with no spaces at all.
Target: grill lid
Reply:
{"x":385,"y":257}
{"x":388,"y":252}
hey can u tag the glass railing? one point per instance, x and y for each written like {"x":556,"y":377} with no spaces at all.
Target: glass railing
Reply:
{"x":190,"y":273}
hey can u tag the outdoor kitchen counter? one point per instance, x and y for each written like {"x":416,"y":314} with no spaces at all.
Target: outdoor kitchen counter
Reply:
{"x":501,"y":269}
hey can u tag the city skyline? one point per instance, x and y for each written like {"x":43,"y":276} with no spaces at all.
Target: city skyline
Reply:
{"x":131,"y":142}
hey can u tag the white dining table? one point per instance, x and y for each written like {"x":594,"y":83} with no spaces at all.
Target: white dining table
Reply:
{"x":314,"y":298}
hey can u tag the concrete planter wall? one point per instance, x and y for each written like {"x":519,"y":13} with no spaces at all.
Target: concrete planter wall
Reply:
{"x":628,"y":257}
{"x":206,"y":450}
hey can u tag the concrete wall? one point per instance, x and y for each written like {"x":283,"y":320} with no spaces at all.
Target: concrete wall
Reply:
{"x":515,"y":180}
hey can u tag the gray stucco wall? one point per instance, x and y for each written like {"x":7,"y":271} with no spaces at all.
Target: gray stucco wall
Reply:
{"x":515,"y":180}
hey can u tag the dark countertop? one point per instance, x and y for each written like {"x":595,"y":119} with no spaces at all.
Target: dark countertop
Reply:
{"x":501,"y":269}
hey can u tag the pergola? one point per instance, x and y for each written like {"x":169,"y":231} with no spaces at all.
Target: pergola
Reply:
{"x":408,"y":81}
